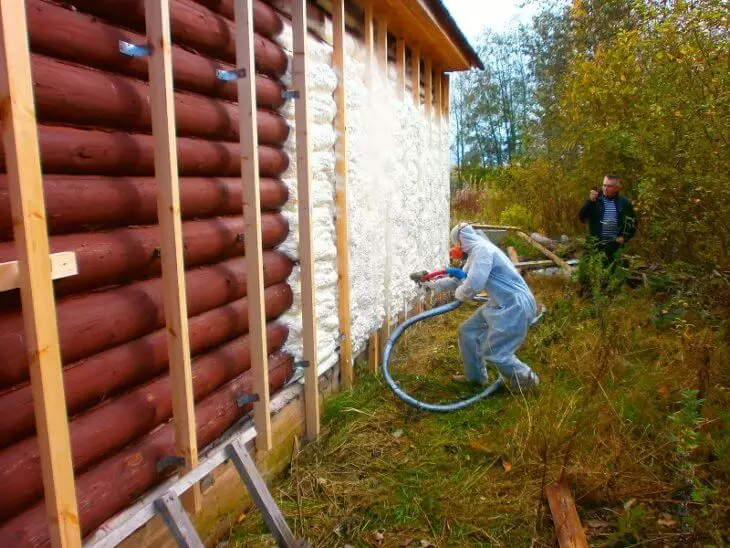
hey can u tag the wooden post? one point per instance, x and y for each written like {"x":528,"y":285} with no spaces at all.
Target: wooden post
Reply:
{"x":25,"y":186}
{"x":416,"y":76}
{"x":342,"y":228}
{"x":247,"y":120}
{"x":369,"y":42}
{"x":162,"y":103}
{"x":428,"y":85}
{"x":437,"y":110}
{"x":557,"y":260}
{"x":400,"y":65}
{"x":381,"y":47}
{"x":446,"y":98}
{"x":306,"y":240}
{"x":374,"y":352}
{"x":512,"y":253}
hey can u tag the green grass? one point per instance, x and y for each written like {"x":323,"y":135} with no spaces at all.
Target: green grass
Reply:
{"x":613,"y":416}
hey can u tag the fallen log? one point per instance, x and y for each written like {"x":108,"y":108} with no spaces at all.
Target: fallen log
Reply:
{"x":86,"y":152}
{"x":90,"y":380}
{"x":61,"y":33}
{"x":119,"y":422}
{"x":92,"y":322}
{"x":192,"y":25}
{"x":70,"y":94}
{"x":76,"y":203}
{"x":118,"y":481}
{"x":122,"y":255}
{"x":557,"y":260}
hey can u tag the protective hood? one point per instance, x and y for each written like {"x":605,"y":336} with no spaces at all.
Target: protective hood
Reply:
{"x":465,"y":237}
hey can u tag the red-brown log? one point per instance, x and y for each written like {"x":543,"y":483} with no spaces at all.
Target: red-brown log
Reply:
{"x":118,"y":481}
{"x":59,"y":32}
{"x":191,"y":25}
{"x":92,"y":322}
{"x":76,"y":203}
{"x":91,"y":380}
{"x":121,"y":421}
{"x":69,"y":94}
{"x":79,"y":151}
{"x":119,"y":256}
{"x":261,"y":12}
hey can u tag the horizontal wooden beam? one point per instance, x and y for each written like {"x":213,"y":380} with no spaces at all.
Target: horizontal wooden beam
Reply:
{"x":63,"y":265}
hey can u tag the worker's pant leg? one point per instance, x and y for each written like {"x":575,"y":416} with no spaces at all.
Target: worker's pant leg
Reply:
{"x":507,"y":331}
{"x":472,"y":334}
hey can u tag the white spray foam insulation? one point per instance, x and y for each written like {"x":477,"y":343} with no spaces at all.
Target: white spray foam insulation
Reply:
{"x":398,"y":194}
{"x":322,"y":109}
{"x":398,"y":198}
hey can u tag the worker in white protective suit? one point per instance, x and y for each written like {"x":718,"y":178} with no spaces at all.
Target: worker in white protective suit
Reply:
{"x":497,"y":329}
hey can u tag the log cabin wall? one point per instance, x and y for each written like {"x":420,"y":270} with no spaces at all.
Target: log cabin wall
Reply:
{"x":97,"y":158}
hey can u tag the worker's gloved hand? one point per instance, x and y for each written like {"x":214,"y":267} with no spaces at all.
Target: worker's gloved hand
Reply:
{"x":463,"y":293}
{"x":419,"y":276}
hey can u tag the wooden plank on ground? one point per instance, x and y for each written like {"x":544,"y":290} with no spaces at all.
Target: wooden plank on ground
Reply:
{"x":428,"y":85}
{"x":250,"y":183}
{"x":342,"y":225}
{"x":25,"y":187}
{"x":568,"y":528}
{"x":63,"y":265}
{"x":162,"y":103}
{"x":557,"y":260}
{"x":400,"y":66}
{"x":512,"y":253}
{"x":416,"y":76}
{"x":306,"y":238}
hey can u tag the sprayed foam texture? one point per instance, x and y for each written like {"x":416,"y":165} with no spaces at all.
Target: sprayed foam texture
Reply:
{"x":398,"y":208}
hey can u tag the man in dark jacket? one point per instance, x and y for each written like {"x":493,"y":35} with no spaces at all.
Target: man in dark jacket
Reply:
{"x":611,"y":217}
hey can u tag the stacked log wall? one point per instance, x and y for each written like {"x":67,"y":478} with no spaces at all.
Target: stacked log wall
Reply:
{"x":97,"y":156}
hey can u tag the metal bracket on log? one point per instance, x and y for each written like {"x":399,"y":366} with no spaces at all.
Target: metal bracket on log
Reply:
{"x":246,"y":399}
{"x":134,"y":50}
{"x":63,"y":265}
{"x":230,"y":75}
{"x":290,"y":94}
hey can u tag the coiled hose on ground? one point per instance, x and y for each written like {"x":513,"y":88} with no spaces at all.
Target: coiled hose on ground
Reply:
{"x":407,"y":398}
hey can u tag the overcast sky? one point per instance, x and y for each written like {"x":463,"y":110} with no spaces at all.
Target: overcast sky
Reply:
{"x":473,"y":15}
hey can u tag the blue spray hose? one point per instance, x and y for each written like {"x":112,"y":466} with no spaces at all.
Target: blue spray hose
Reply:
{"x":407,"y":398}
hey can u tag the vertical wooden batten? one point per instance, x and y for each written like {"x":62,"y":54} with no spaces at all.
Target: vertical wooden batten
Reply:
{"x":369,"y":38}
{"x":381,"y":47}
{"x":438,"y":106}
{"x":446,"y":99}
{"x":20,"y":137}
{"x":400,"y":66}
{"x":252,"y":220}
{"x":381,"y":50}
{"x":162,"y":105}
{"x":428,"y":85}
{"x":306,"y":243}
{"x":342,"y":225}
{"x":416,"y":76}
